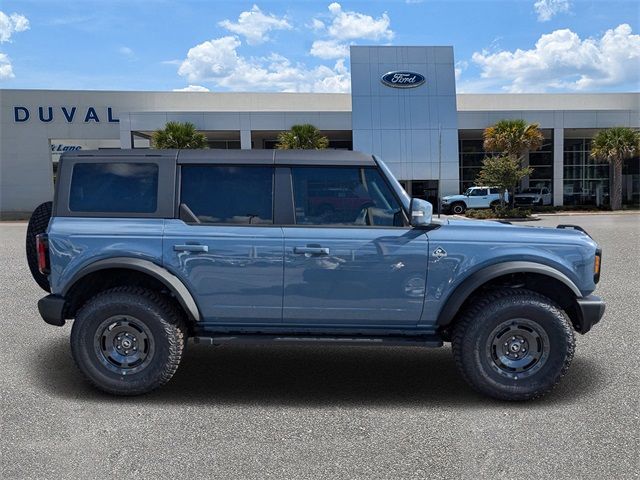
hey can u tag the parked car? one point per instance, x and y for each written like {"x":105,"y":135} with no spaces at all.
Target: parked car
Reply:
{"x":474,"y":197}
{"x":537,"y":196}
{"x":145,"y":251}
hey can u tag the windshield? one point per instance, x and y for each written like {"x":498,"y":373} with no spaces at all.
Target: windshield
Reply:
{"x":530,"y":190}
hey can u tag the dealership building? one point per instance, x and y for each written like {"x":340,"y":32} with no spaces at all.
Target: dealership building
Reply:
{"x":428,"y":135}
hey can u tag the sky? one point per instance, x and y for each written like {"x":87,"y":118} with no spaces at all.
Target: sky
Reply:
{"x":303,"y":46}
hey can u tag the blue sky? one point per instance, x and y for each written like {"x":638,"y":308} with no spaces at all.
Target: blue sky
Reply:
{"x":500,"y":46}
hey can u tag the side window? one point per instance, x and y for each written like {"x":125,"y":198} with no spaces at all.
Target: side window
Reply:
{"x":344,"y":196}
{"x":228,"y":194}
{"x":114,"y":187}
{"x":478,"y":192}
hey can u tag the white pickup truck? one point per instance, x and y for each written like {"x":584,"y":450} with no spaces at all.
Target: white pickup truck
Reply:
{"x":537,"y":196}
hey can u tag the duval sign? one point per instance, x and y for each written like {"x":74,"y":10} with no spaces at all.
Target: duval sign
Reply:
{"x":68,"y":114}
{"x":402,"y":79}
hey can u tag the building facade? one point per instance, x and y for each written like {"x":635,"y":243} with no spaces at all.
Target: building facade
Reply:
{"x":403,"y":107}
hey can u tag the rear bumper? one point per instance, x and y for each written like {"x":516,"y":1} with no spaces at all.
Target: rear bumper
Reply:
{"x":51,"y":309}
{"x":590,"y":311}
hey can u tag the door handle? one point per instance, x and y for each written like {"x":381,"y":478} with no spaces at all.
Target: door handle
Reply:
{"x":311,"y":250}
{"x":191,"y":248}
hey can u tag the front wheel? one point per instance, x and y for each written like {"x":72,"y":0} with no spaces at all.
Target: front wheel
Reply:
{"x":513,"y":344}
{"x":458,"y":208}
{"x":128,"y":340}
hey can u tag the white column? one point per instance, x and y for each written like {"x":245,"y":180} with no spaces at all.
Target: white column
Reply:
{"x":245,"y":139}
{"x":125,"y":131}
{"x":558,"y":166}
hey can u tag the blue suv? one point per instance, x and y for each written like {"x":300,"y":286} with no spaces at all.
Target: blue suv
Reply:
{"x":144,"y":249}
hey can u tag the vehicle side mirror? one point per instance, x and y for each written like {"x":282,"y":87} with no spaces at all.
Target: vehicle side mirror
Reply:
{"x":421,"y":212}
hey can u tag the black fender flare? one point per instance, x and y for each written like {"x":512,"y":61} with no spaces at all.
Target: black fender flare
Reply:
{"x":457,"y":298}
{"x":173,"y":283}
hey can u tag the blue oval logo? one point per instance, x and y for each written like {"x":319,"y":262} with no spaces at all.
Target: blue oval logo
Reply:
{"x":402,"y":79}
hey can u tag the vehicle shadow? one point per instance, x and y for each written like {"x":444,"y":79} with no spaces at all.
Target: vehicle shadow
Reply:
{"x":310,"y":376}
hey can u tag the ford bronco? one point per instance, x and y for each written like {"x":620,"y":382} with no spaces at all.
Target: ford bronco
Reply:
{"x":145,"y":249}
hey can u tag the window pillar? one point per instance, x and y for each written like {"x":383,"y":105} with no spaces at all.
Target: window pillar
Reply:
{"x":558,"y":166}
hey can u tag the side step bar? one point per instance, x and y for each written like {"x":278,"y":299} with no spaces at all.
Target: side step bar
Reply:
{"x":418,"y":341}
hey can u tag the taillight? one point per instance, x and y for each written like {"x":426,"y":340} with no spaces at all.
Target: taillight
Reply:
{"x":597,"y":264}
{"x":42,"y":247}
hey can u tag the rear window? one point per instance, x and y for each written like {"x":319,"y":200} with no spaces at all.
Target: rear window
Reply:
{"x":114,"y":188}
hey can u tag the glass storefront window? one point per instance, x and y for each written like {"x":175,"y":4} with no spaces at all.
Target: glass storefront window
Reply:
{"x":586,"y":180}
{"x":472,"y":154}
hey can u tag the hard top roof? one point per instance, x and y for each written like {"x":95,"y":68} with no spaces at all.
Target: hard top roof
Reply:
{"x":276,"y":157}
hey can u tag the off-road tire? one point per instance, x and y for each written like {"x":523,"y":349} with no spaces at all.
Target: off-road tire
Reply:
{"x":474,"y":354}
{"x":161,"y":324}
{"x":38,"y":224}
{"x":494,"y":205}
{"x":458,"y":208}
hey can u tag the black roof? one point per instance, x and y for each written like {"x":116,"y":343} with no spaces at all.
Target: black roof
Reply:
{"x":277,"y":157}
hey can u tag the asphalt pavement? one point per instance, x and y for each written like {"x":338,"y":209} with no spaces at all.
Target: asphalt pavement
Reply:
{"x":322,"y":412}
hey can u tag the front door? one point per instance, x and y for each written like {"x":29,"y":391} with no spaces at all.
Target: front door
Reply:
{"x":478,"y":198}
{"x":351,"y":258}
{"x":225,"y":247}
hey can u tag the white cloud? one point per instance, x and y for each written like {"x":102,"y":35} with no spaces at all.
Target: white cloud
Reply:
{"x":316,"y":25}
{"x":217,"y":61}
{"x":127,"y":52}
{"x":10,"y":24}
{"x":343,"y":28}
{"x":562,"y":61}
{"x":460,"y":67}
{"x":347,"y":25}
{"x":329,"y":49}
{"x":192,"y":88}
{"x":6,"y":70}
{"x":254,"y":25}
{"x":547,"y":9}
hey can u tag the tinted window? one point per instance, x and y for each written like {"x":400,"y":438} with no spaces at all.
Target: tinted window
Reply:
{"x":478,"y":192}
{"x":343,"y":196}
{"x":226,"y":194}
{"x":114,"y":187}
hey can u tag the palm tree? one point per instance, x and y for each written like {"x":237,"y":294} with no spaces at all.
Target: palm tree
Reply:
{"x":615,"y":145}
{"x":178,"y":135}
{"x":306,"y":137}
{"x":513,"y":139}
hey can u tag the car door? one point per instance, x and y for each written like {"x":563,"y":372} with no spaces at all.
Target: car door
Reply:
{"x":478,"y":198}
{"x":225,"y":247}
{"x":356,"y":263}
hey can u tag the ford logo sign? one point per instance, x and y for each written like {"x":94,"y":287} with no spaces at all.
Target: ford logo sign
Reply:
{"x":402,"y":79}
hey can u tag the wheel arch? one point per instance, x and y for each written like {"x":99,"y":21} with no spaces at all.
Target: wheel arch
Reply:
{"x":535,"y":276}
{"x":138,"y":271}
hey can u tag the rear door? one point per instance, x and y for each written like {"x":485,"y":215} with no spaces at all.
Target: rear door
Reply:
{"x":351,"y":258}
{"x":225,"y":246}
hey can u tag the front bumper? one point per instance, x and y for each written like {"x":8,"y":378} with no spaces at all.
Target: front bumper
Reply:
{"x":51,"y":309}
{"x":590,"y":311}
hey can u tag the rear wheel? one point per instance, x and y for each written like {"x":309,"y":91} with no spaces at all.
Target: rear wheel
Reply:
{"x":513,"y":344}
{"x":458,"y":208}
{"x":128,"y":340}
{"x":494,"y":205}
{"x":38,"y":224}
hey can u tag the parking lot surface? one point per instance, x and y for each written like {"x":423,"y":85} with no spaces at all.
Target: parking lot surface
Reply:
{"x":322,"y":412}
